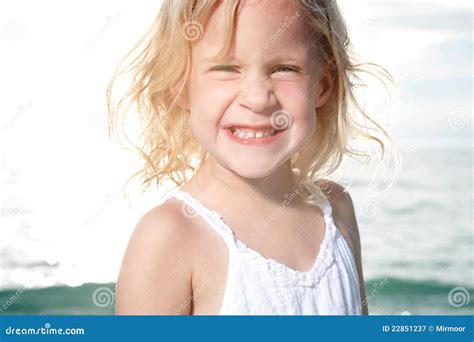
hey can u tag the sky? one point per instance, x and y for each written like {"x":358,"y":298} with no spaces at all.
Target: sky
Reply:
{"x":427,"y":45}
{"x":60,"y":56}
{"x":57,"y":58}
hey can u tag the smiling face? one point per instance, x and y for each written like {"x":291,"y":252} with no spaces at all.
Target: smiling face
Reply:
{"x":267,"y":84}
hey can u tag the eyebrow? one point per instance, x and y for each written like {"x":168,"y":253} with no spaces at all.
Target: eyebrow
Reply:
{"x":287,"y":58}
{"x":213,"y":59}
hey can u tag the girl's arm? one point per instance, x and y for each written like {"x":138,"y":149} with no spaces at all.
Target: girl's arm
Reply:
{"x":155,"y":277}
{"x":345,"y":219}
{"x":356,"y":250}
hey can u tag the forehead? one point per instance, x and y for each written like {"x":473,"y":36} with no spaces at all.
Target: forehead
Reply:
{"x":271,"y":27}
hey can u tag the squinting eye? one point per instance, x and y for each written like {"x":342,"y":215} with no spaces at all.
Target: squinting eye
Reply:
{"x":224,"y":68}
{"x":230,"y":68}
{"x":286,"y":68}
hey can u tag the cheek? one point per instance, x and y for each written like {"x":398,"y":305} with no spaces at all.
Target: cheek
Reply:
{"x":201,"y":125}
{"x":209,"y":91}
{"x":209,"y":101}
{"x":305,"y":124}
{"x":300,"y":106}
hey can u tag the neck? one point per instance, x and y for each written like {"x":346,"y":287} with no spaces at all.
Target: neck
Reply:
{"x":215,"y":180}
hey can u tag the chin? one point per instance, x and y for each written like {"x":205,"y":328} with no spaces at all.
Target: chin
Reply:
{"x":255,"y":171}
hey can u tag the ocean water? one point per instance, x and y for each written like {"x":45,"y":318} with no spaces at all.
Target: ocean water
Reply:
{"x":397,"y":297}
{"x":417,"y":243}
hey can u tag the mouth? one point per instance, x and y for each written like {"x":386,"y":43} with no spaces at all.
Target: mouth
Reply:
{"x":249,"y":136}
{"x":248,"y":133}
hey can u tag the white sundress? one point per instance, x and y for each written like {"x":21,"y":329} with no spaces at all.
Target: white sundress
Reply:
{"x":262,"y":286}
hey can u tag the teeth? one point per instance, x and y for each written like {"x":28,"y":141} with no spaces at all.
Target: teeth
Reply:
{"x":251,"y":134}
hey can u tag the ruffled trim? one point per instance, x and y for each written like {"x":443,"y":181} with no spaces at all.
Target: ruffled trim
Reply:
{"x":308,"y":278}
{"x":195,"y":207}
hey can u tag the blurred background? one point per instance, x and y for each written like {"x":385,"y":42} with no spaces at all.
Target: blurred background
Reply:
{"x":64,"y":222}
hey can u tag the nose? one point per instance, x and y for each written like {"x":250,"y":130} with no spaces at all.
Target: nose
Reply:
{"x":256,"y":93}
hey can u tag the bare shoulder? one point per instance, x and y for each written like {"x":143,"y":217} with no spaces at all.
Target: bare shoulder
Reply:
{"x":343,"y":211}
{"x":341,"y":203}
{"x":156,"y":272}
{"x":336,"y":193}
{"x":345,"y":219}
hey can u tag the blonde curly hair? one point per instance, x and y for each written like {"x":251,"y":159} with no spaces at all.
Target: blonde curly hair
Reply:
{"x":159,"y":66}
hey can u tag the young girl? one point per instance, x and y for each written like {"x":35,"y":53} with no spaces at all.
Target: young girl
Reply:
{"x":246,"y":108}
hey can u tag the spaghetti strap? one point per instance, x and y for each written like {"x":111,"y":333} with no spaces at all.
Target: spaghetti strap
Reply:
{"x":192,"y":207}
{"x":258,"y":285}
{"x":324,"y":259}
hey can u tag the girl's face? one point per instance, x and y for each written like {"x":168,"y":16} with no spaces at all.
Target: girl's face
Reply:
{"x":267,"y":83}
